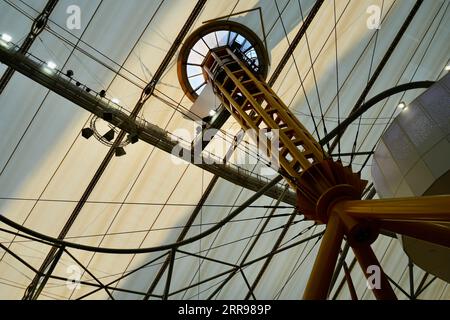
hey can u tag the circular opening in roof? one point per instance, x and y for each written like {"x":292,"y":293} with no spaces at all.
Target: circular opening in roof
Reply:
{"x":213,"y":35}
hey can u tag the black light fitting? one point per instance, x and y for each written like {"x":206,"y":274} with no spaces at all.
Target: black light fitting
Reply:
{"x":119,"y":151}
{"x":87,"y":133}
{"x":133,"y":138}
{"x":109,"y":136}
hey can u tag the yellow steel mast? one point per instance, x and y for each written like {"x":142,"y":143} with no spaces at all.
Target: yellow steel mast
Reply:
{"x":327,"y":191}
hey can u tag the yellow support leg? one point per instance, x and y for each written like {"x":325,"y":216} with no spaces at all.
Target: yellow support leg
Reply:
{"x":366,"y":259}
{"x":322,"y":271}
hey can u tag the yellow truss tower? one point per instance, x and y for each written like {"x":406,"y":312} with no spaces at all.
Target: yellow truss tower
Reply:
{"x":327,"y":191}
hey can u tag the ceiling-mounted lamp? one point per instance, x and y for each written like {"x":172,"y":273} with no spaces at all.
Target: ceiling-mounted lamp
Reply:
{"x":51,"y":65}
{"x":133,"y":138}
{"x":119,"y":151}
{"x":87,"y":133}
{"x":447,"y":67}
{"x":109,"y":136}
{"x":212,"y":113}
{"x":6,"y":37}
{"x":402,"y":106}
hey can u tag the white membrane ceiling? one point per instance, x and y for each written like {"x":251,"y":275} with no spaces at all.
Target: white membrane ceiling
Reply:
{"x":143,"y":199}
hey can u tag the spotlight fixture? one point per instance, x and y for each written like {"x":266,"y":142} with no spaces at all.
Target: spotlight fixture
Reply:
{"x":87,"y":132}
{"x":402,"y":105}
{"x":102,"y":93}
{"x":447,"y":67}
{"x":51,"y":65}
{"x":88,"y":89}
{"x":69,"y":73}
{"x":119,"y":151}
{"x":109,"y":136}
{"x":133,"y":138}
{"x":212,"y":113}
{"x":6,"y":37}
{"x":107,"y":116}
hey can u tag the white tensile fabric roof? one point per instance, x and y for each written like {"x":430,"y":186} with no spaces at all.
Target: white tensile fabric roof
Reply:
{"x":143,"y":199}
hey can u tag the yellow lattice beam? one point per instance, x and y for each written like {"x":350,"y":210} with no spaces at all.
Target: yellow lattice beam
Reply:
{"x":255,"y":106}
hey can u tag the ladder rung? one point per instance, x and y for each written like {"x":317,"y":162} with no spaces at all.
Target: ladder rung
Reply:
{"x":225,"y":80}
{"x":233,"y":91}
{"x":284,"y":151}
{"x":257,"y":120}
{"x":307,"y":154}
{"x":270,"y":110}
{"x":297,"y":141}
{"x":243,"y":105}
{"x":287,"y":129}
